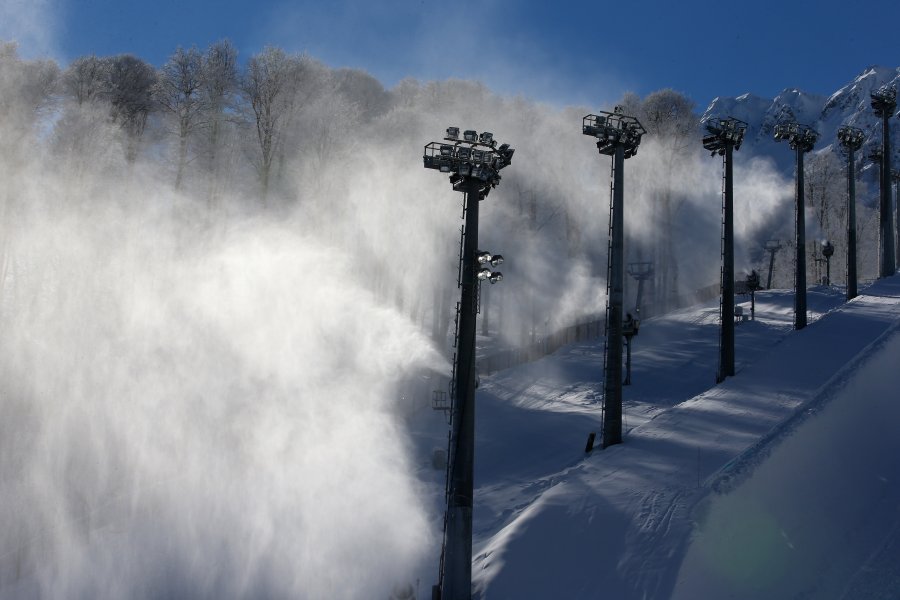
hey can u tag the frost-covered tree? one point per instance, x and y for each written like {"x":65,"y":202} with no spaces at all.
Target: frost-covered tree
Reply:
{"x":269,"y":86}
{"x":218,"y":85}
{"x":670,"y":119}
{"x":129,"y":90}
{"x":178,"y":93}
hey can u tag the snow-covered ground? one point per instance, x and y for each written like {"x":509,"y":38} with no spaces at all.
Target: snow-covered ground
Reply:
{"x":663,"y":514}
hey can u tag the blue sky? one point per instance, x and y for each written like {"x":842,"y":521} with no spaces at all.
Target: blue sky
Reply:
{"x":576,"y":52}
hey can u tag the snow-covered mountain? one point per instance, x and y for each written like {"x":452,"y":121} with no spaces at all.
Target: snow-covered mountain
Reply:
{"x":850,"y":105}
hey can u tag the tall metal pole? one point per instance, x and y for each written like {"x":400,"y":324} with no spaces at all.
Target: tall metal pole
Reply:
{"x":800,"y":281}
{"x":888,"y":266}
{"x":772,"y":252}
{"x":457,"y":582}
{"x":725,"y":136}
{"x":474,"y":163}
{"x":618,"y":136}
{"x":851,"y":224}
{"x":884,"y":101}
{"x":851,"y":139}
{"x":726,"y":350}
{"x":612,"y":397}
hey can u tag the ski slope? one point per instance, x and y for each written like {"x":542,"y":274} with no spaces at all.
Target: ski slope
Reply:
{"x":776,"y":453}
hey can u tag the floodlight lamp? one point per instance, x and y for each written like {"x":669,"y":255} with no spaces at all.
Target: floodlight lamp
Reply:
{"x":484,"y":273}
{"x":851,"y":137}
{"x":483,"y":257}
{"x":478,"y":156}
{"x":444,"y":166}
{"x":465,"y":169}
{"x":486,"y":137}
{"x":446,"y":150}
{"x":464,"y":153}
{"x":470,"y":135}
{"x":827,"y":249}
{"x":495,"y":277}
{"x":496,"y":259}
{"x":453,"y":133}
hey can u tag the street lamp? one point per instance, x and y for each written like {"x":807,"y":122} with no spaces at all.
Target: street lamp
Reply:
{"x":723,"y":138}
{"x":827,"y":252}
{"x":801,"y":138}
{"x":884,"y":101}
{"x":474,"y":165}
{"x":772,"y":247}
{"x":851,"y":139}
{"x":618,"y":136}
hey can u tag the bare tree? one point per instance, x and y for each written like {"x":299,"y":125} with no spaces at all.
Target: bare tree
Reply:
{"x":129,"y":89}
{"x":218,"y":84}
{"x":85,"y":78}
{"x":177,"y":92}
{"x":269,"y":86}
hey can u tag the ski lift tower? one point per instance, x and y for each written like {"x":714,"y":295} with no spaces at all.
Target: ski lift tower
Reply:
{"x":473,"y":164}
{"x":801,"y":138}
{"x":884,"y":101}
{"x":851,"y":139}
{"x":641,"y":272}
{"x":772,"y":247}
{"x":618,"y":136}
{"x":724,"y":137}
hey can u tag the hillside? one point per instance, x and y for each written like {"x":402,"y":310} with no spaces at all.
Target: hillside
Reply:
{"x":621,"y":523}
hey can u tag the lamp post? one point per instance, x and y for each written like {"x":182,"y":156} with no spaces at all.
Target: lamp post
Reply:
{"x":801,"y":138}
{"x":851,"y":139}
{"x":724,"y":137}
{"x":772,"y":247}
{"x":827,"y":252}
{"x":884,"y":101}
{"x":473,"y":163}
{"x":618,"y":136}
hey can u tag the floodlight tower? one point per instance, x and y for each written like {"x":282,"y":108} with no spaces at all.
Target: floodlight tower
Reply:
{"x":851,"y":139}
{"x":618,"y":136}
{"x":827,"y":252}
{"x":772,"y":247}
{"x":801,"y":138}
{"x":641,"y":272}
{"x":473,"y":163}
{"x":884,"y":101}
{"x":724,"y":137}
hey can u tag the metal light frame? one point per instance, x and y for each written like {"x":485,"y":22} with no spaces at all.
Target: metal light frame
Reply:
{"x":473,"y":164}
{"x":725,"y":136}
{"x":613,"y":129}
{"x":723,"y":132}
{"x":618,"y":136}
{"x":801,"y":139}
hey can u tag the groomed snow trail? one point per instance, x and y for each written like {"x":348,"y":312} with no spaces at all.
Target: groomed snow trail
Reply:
{"x":551,"y":522}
